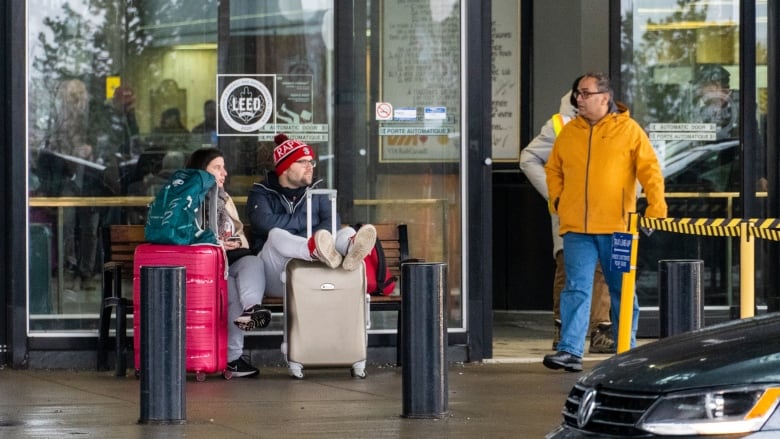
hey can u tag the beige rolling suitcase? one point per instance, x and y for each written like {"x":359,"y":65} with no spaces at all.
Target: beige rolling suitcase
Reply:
{"x":326,"y":313}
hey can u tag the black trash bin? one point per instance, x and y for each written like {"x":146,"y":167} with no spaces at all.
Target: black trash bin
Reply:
{"x":681,"y":307}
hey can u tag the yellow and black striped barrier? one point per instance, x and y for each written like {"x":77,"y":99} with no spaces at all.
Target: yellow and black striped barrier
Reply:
{"x":767,"y":228}
{"x":745,"y":229}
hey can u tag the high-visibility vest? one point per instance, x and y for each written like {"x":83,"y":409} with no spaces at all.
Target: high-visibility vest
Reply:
{"x":559,"y":121}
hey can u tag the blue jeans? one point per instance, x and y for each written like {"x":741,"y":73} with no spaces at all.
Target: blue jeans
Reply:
{"x":581,"y":251}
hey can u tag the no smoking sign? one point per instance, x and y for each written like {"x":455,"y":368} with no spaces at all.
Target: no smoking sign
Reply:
{"x":384,"y":111}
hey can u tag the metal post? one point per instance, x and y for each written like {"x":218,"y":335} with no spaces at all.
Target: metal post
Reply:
{"x":747,"y":273}
{"x":681,"y":307}
{"x":424,"y":340}
{"x":627,"y":290}
{"x":163,"y":375}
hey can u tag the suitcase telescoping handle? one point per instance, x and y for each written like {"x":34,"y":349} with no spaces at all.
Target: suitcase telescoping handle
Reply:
{"x":331,"y":193}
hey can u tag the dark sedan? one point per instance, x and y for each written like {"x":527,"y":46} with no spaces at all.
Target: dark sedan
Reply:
{"x":722,"y":381}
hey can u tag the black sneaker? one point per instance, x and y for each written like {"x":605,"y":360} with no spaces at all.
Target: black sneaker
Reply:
{"x":240,"y":368}
{"x":254,"y":317}
{"x":563,"y":360}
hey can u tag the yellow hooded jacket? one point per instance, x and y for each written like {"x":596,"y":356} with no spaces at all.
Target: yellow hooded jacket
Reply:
{"x":592,"y":174}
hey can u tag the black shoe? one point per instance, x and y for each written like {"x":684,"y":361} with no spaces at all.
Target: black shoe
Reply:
{"x":240,"y":368}
{"x":254,"y":317}
{"x":563,"y":360}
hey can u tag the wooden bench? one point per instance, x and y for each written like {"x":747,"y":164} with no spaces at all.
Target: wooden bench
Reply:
{"x":395,"y":243}
{"x":120,"y":241}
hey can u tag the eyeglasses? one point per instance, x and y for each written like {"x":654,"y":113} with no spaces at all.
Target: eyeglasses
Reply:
{"x":584,"y":94}
{"x":312,"y":163}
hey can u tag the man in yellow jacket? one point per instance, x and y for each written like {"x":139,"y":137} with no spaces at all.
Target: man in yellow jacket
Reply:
{"x":532,"y":160}
{"x":592,"y":178}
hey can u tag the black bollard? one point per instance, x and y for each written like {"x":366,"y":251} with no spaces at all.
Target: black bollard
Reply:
{"x":424,"y":339}
{"x":680,"y":306}
{"x":163,"y":324}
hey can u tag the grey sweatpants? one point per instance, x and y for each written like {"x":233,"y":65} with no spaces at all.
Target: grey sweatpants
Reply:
{"x":246,"y":284}
{"x":281,"y":246}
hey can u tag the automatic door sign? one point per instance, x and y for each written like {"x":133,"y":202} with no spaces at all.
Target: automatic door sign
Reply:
{"x":621,"y":252}
{"x":246,"y":105}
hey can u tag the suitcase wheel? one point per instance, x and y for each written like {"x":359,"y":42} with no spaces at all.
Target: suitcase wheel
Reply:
{"x":200,"y":377}
{"x":358,"y":369}
{"x":296,"y":369}
{"x":227,"y":374}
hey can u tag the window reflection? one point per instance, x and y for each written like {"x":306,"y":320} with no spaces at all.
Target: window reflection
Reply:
{"x":680,"y":67}
{"x":120,"y":92}
{"x":117,"y":97}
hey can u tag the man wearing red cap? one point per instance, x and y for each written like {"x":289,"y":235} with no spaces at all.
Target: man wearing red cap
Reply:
{"x":277,"y":212}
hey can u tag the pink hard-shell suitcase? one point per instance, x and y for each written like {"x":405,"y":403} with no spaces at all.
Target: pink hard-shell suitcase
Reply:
{"x":206,"y":303}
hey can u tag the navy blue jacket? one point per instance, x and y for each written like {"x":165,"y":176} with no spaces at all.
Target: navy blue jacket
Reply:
{"x":268,"y":208}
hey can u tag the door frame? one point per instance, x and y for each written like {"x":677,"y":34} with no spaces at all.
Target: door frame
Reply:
{"x":13,"y":135}
{"x":477,"y":163}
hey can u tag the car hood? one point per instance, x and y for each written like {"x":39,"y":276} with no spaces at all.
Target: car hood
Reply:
{"x":739,"y":352}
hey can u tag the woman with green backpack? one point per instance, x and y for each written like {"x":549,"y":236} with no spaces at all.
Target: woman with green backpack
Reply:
{"x":246,"y":281}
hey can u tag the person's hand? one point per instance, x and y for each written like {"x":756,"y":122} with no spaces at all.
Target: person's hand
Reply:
{"x":230,"y":244}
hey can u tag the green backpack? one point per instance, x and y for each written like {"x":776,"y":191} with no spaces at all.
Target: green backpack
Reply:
{"x":177,"y":213}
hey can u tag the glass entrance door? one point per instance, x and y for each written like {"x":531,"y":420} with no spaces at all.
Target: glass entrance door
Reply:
{"x":680,"y":76}
{"x":376,"y":95}
{"x":117,"y":93}
{"x":122,"y":91}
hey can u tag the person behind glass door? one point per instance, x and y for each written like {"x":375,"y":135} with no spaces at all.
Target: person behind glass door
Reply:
{"x":170,"y":134}
{"x":532,"y":160}
{"x":592,"y":175}
{"x":246,"y":280}
{"x":122,"y":133}
{"x":712,"y":101}
{"x":69,"y":166}
{"x":205,"y":133}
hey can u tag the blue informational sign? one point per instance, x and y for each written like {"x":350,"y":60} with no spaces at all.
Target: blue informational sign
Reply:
{"x":435,"y":113}
{"x":621,"y":252}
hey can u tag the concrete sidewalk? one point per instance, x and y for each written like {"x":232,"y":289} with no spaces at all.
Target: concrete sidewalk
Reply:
{"x":511,"y":395}
{"x":484,"y":400}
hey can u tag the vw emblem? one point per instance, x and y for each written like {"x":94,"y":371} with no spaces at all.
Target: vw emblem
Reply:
{"x":587,"y":407}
